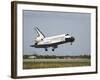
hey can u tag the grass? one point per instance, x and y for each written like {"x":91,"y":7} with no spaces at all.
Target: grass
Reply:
{"x":55,"y":64}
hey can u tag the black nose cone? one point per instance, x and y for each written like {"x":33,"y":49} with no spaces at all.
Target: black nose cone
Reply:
{"x":72,"y":39}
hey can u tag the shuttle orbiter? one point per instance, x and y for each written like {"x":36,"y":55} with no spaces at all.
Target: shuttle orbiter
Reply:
{"x":45,"y":42}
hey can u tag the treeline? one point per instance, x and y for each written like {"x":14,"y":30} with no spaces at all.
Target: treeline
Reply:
{"x":54,"y":56}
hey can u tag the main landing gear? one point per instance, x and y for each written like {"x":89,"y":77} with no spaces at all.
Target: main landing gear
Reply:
{"x":53,"y":48}
{"x":46,"y":49}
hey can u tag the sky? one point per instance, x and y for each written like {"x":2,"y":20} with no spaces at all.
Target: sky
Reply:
{"x":55,"y":23}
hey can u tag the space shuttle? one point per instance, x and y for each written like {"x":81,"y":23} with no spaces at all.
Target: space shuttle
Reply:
{"x":45,"y":42}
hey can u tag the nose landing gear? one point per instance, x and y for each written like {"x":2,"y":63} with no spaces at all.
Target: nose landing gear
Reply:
{"x":71,"y":43}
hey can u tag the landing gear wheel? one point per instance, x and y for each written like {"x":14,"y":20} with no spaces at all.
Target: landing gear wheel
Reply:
{"x":46,"y":49}
{"x":53,"y":49}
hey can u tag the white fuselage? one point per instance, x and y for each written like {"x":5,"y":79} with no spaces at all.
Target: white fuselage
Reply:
{"x":53,"y":39}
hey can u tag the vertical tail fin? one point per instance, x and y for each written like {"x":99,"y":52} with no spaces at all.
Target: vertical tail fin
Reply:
{"x":39,"y":33}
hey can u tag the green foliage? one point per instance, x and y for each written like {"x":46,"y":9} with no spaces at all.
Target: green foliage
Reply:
{"x":34,"y":65}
